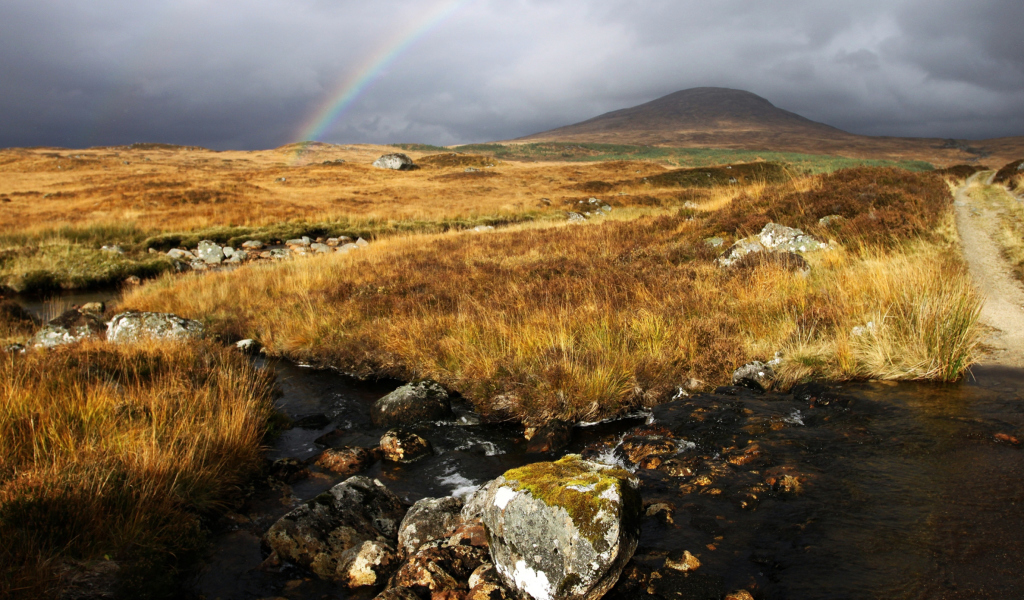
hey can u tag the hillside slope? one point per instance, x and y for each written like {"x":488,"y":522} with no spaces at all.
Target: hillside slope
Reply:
{"x":728,"y":118}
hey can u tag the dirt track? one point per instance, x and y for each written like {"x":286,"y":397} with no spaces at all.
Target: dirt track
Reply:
{"x":1003,"y":310}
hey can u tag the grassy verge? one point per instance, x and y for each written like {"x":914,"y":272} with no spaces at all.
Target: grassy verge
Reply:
{"x":680,"y":157}
{"x":112,"y":455}
{"x":584,"y":321}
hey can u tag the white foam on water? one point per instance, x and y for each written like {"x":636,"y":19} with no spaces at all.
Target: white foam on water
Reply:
{"x":460,"y":485}
{"x":794,"y":418}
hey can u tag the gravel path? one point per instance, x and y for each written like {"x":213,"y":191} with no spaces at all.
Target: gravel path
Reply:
{"x":1003,"y":310}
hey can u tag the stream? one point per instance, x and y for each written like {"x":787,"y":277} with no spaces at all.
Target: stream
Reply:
{"x":897,"y":491}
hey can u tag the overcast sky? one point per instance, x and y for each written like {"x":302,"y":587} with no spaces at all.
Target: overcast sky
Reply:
{"x":254,"y":73}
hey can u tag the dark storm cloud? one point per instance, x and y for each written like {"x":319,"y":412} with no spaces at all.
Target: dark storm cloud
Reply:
{"x":233,"y":74}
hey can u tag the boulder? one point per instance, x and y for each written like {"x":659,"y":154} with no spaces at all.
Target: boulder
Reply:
{"x":114,"y":249}
{"x":253,"y":245}
{"x":132,"y":326}
{"x":773,"y":238}
{"x":395,"y":162}
{"x":248,"y":346}
{"x":72,"y":326}
{"x":412,"y":403}
{"x":401,"y":445}
{"x":347,"y":460}
{"x":361,"y":243}
{"x":562,"y":530}
{"x":210,"y":253}
{"x":428,"y":520}
{"x":320,"y":248}
{"x":344,"y":534}
{"x":754,"y":375}
{"x":179,"y":254}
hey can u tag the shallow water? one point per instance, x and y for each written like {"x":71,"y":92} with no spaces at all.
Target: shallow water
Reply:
{"x":52,"y":305}
{"x":907,"y":493}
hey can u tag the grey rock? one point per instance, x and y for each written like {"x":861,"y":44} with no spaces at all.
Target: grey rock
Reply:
{"x":395,"y":162}
{"x":474,"y":504}
{"x":362,"y":243}
{"x":115,"y":249}
{"x":773,"y":238}
{"x":248,"y":346}
{"x":93,"y":307}
{"x":831,"y":220}
{"x":303,"y":241}
{"x":253,"y":245}
{"x":344,"y":534}
{"x":412,"y":403}
{"x":210,"y":253}
{"x":428,"y":520}
{"x":321,"y":248}
{"x":133,"y":326}
{"x":347,"y":248}
{"x":179,"y":254}
{"x":756,"y":375}
{"x":280,"y":254}
{"x":72,"y":326}
{"x":575,"y":217}
{"x":228,"y":251}
{"x":714,"y":242}
{"x":570,"y":537}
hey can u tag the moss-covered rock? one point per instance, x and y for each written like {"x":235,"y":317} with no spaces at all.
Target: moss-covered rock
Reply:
{"x":564,"y":529}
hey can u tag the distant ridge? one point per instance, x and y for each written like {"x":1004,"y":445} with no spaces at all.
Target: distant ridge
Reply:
{"x":717,"y":117}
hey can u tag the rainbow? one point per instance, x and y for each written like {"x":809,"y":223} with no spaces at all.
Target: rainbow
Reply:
{"x":349,"y":89}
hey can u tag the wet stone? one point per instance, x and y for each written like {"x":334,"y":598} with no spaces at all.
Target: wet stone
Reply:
{"x":132,"y":326}
{"x":428,"y":520}
{"x":347,"y":460}
{"x":397,"y":593}
{"x":327,"y":535}
{"x":412,"y":403}
{"x":401,"y":445}
{"x":437,"y":567}
{"x":287,"y":470}
{"x":318,"y":421}
{"x":551,"y":437}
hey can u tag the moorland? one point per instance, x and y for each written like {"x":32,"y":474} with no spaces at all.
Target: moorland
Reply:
{"x":489,"y":270}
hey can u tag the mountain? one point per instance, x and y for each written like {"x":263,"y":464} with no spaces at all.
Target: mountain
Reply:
{"x":727,"y":118}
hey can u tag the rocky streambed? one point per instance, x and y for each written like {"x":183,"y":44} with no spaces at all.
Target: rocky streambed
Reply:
{"x":863,"y":490}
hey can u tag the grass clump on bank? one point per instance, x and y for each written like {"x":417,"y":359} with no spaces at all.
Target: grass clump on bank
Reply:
{"x":581,"y":322}
{"x":112,"y":455}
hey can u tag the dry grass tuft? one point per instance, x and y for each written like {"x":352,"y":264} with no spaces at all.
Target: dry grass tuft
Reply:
{"x":117,"y":452}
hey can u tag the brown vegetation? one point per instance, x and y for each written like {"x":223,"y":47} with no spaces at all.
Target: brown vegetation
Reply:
{"x":112,"y":455}
{"x":580,"y":322}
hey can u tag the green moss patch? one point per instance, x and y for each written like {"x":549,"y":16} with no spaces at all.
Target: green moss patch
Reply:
{"x":568,"y":484}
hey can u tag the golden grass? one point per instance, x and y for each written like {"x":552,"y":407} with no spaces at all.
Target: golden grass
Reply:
{"x":584,"y":321}
{"x":160,"y":190}
{"x":115,"y":452}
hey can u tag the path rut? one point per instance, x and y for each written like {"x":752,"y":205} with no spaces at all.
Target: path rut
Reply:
{"x":1003,"y":310}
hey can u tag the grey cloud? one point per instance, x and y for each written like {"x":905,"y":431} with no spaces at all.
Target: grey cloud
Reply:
{"x":251,"y":74}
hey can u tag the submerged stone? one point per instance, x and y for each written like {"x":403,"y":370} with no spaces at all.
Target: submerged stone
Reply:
{"x":562,"y":530}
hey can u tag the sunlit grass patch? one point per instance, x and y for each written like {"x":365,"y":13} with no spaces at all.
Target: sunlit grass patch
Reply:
{"x":115,"y":453}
